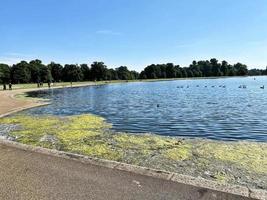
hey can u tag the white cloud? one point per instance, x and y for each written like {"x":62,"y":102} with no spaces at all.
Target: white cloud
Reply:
{"x":14,"y":57}
{"x":108,"y":32}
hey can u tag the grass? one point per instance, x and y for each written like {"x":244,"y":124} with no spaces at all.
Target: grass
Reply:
{"x":61,"y":84}
{"x":68,"y":84}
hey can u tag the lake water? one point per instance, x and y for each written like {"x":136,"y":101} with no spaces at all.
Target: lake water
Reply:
{"x":205,"y":108}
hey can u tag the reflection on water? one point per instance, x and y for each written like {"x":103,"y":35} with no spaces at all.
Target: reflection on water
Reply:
{"x":207,"y":108}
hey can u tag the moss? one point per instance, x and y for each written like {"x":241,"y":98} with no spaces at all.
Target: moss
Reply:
{"x":145,"y":142}
{"x":221,"y":177}
{"x":70,"y":136}
{"x":36,"y":124}
{"x":248,"y":155}
{"x":86,"y":122}
{"x":32,"y":128}
{"x":71,"y":132}
{"x":183,"y":152}
{"x":97,"y":150}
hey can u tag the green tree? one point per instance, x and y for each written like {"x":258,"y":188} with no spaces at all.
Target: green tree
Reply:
{"x":20,"y":72}
{"x":72,"y":73}
{"x":216,"y":67}
{"x":170,"y":70}
{"x":34,"y":67}
{"x":134,"y":74}
{"x":45,"y":74}
{"x":4,"y":74}
{"x":86,"y":72}
{"x":56,"y":71}
{"x":99,"y":71}
{"x":179,"y":73}
{"x":123,"y":73}
{"x":39,"y":72}
{"x":241,"y":70}
{"x":143,"y":75}
{"x":225,"y":68}
{"x":189,"y":73}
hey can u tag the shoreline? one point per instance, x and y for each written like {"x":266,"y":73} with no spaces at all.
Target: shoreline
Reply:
{"x":10,"y":103}
{"x":58,"y":85}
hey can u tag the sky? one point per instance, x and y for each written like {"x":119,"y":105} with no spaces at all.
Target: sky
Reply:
{"x":134,"y":33}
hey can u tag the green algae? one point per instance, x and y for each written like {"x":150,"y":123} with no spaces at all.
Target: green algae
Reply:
{"x":32,"y":128}
{"x":146,"y":141}
{"x":86,"y":122}
{"x":183,"y":152}
{"x":101,"y":150}
{"x":248,"y":155}
{"x":91,"y":135}
{"x":142,"y":147}
{"x":221,"y":177}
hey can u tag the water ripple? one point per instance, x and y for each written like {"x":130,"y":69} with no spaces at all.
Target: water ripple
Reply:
{"x":218,"y":113}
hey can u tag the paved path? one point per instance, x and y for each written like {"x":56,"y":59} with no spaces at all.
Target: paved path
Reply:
{"x":28,"y":176}
{"x":9,"y":104}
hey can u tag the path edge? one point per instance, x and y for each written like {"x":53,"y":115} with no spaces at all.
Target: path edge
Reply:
{"x":165,"y":175}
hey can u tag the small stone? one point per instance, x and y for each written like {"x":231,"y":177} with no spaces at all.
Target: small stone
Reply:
{"x":207,"y":173}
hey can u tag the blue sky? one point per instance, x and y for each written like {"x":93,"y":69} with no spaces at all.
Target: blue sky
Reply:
{"x":134,"y":32}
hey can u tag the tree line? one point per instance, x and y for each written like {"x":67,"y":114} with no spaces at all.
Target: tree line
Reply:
{"x":36,"y":72}
{"x":207,"y":68}
{"x":257,"y":72}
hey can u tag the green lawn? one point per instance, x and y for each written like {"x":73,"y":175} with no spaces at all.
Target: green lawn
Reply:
{"x":62,"y":84}
{"x":34,"y":85}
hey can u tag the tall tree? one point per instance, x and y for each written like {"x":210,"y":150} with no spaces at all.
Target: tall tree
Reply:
{"x":216,"y":67}
{"x":224,"y":68}
{"x":241,"y":70}
{"x":56,"y":71}
{"x":86,"y":72}
{"x":99,"y":71}
{"x":123,"y":73}
{"x":72,"y":73}
{"x":170,"y":70}
{"x":21,"y":72}
{"x":4,"y":74}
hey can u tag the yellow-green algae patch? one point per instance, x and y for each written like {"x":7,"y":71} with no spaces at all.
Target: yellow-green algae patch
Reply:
{"x":90,"y":135}
{"x":148,"y":144}
{"x":146,"y":141}
{"x":248,"y":155}
{"x":101,"y":150}
{"x":33,"y":128}
{"x":182,"y":152}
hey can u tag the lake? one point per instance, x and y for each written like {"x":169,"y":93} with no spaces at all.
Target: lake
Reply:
{"x":196,"y":108}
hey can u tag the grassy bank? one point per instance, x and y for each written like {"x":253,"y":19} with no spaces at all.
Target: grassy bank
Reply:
{"x":242,"y":163}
